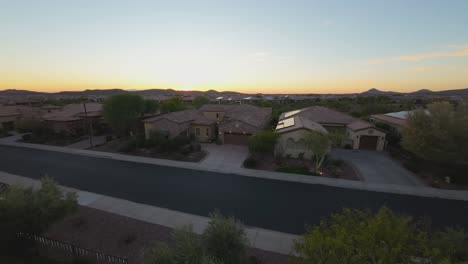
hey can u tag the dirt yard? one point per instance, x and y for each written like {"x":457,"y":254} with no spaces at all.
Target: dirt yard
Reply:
{"x":122,"y":236}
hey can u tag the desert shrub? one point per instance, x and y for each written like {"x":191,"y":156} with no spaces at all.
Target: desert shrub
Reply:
{"x":250,"y":162}
{"x":225,"y":239}
{"x":223,"y":242}
{"x":32,"y":211}
{"x":156,"y":138}
{"x":186,"y":149}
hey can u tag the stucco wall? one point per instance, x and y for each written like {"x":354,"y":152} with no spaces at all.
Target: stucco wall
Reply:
{"x":354,"y":137}
{"x":5,"y":119}
{"x":203,"y":137}
{"x":66,"y":126}
{"x":212,"y":115}
{"x":292,"y":143}
{"x":164,"y":125}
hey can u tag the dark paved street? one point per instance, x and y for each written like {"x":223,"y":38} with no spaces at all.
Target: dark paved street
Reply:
{"x":277,"y":205}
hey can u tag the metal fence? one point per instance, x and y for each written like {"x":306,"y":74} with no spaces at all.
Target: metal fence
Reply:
{"x":74,"y":250}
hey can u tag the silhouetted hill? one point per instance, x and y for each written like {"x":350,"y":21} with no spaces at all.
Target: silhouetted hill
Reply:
{"x":377,"y":92}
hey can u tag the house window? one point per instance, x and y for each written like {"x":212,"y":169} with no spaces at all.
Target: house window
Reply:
{"x":217,"y":115}
{"x":207,"y":133}
{"x":197,"y":131}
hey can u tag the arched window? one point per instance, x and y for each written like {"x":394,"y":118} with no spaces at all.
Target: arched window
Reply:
{"x":290,"y":143}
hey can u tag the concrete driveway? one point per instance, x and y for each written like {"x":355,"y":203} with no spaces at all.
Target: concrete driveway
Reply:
{"x":224,"y":156}
{"x":377,"y":167}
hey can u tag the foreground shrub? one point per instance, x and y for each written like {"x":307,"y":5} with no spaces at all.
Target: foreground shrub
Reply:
{"x":355,"y":236}
{"x":224,"y":242}
{"x":225,"y":239}
{"x":32,"y":211}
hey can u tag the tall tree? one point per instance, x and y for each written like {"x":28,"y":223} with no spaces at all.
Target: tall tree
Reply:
{"x":173,"y":104}
{"x":319,"y":143}
{"x":122,"y":112}
{"x":438,"y":134}
{"x":263,"y":142}
{"x":200,"y":100}
{"x":151,"y":106}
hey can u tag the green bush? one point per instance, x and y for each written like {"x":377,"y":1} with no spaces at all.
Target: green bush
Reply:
{"x":225,"y":239}
{"x":263,"y":142}
{"x":223,"y":242}
{"x":32,"y":211}
{"x":250,"y":162}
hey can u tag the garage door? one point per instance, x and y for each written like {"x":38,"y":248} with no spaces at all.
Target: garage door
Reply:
{"x":368,"y":142}
{"x":236,"y":139}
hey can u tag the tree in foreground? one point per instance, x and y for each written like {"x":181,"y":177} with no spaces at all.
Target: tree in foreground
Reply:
{"x":319,"y":143}
{"x":355,"y":236}
{"x":32,"y":211}
{"x":200,"y":100}
{"x":263,"y":142}
{"x":122,"y":112}
{"x":224,"y":241}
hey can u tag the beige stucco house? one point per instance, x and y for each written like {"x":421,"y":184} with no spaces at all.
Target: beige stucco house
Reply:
{"x":232,"y":124}
{"x":12,"y":115}
{"x":294,"y":125}
{"x":73,"y":117}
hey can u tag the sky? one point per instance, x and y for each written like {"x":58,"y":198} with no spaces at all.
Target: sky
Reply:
{"x":250,"y":46}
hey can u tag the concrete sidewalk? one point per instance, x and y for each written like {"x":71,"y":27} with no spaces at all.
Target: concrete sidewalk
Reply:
{"x":341,"y":183}
{"x":259,"y":238}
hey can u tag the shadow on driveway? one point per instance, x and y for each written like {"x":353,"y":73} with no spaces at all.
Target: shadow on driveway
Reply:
{"x":377,"y":167}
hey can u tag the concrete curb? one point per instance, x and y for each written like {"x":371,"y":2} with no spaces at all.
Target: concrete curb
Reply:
{"x":340,"y":183}
{"x":260,"y":238}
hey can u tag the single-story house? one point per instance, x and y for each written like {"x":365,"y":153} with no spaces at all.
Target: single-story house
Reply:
{"x":187,"y":122}
{"x":72,"y":117}
{"x":396,"y":120}
{"x":11,"y":115}
{"x":232,"y":124}
{"x":292,"y":127}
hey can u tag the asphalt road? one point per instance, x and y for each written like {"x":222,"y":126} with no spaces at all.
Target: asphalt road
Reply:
{"x":276,"y":205}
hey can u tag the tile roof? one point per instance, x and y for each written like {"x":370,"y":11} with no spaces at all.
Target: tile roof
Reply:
{"x":70,"y":111}
{"x":250,"y":114}
{"x":359,"y":124}
{"x":177,"y":117}
{"x":321,"y":115}
{"x":300,"y":123}
{"x":389,"y":119}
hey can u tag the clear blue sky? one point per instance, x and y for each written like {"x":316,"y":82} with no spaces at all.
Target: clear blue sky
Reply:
{"x":266,"y":46}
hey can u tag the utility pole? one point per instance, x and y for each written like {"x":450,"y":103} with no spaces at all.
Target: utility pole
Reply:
{"x":90,"y":125}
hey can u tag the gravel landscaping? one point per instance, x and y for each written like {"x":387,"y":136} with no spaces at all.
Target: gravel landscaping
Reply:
{"x":332,"y":168}
{"x":122,"y":236}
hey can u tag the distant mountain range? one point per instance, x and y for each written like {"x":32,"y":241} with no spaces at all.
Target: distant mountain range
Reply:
{"x":13,"y":93}
{"x":422,"y":92}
